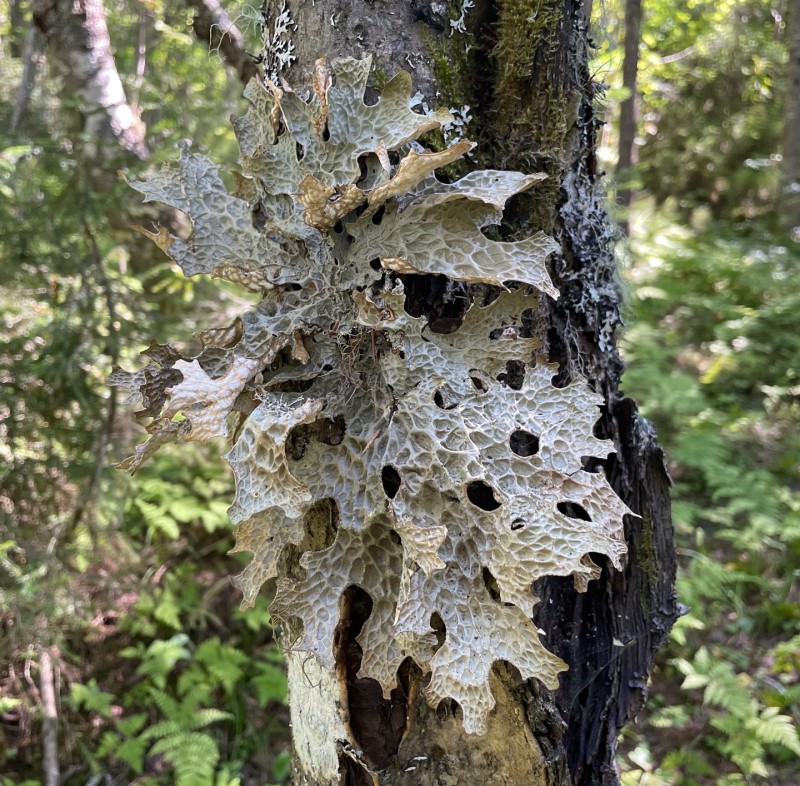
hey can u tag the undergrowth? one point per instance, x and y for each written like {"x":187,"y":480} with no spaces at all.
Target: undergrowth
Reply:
{"x":163,"y":681}
{"x":713,"y":357}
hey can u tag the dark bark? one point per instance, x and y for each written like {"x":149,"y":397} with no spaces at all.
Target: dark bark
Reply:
{"x":526,"y":77}
{"x":627,"y":109}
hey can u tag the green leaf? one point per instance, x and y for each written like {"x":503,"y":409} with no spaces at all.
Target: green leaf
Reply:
{"x":161,"y":657}
{"x":91,"y":698}
{"x":270,"y":684}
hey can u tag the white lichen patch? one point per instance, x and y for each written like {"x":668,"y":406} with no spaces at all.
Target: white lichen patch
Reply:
{"x":441,"y":457}
{"x":205,"y":402}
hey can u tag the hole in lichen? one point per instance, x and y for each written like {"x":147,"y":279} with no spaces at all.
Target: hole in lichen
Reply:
{"x":300,"y":151}
{"x":437,"y":623}
{"x":321,"y":523}
{"x":523,"y":443}
{"x":338,"y":227}
{"x":440,"y":402}
{"x":517,"y":524}
{"x":490,"y":582}
{"x":573,"y":510}
{"x":329,"y":431}
{"x":326,"y":133}
{"x":601,"y":429}
{"x":447,"y":708}
{"x":482,"y":495}
{"x":442,"y":301}
{"x":378,"y":215}
{"x":375,"y":264}
{"x":516,"y":218}
{"x":292,"y":386}
{"x":359,"y":603}
{"x":377,"y":724}
{"x":478,"y":383}
{"x":514,"y":375}
{"x":259,"y":216}
{"x":592,"y":464}
{"x":391,"y":481}
{"x":498,"y":332}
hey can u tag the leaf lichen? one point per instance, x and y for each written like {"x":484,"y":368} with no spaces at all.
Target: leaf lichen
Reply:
{"x":435,"y":462}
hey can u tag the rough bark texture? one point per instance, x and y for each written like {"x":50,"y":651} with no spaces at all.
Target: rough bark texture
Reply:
{"x":627,"y":109}
{"x":790,"y":196}
{"x":526,"y":78}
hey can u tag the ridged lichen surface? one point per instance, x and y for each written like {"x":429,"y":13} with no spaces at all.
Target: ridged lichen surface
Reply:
{"x":452,"y":463}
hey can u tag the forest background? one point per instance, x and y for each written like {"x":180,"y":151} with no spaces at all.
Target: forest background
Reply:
{"x":114,"y":590}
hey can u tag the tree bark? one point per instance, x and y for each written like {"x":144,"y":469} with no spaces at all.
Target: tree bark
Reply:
{"x":790,"y":181}
{"x":522,"y":68}
{"x":627,"y":109}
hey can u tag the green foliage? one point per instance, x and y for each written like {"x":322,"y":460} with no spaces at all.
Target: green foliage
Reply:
{"x":710,"y":102}
{"x":92,"y":563}
{"x":714,"y":360}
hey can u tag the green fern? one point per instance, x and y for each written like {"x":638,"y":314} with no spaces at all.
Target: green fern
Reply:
{"x":772,"y":728}
{"x":223,"y":662}
{"x":193,"y":756}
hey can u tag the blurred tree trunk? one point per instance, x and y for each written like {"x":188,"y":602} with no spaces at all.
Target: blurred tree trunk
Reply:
{"x":790,"y":181}
{"x":79,"y":54}
{"x":214,"y":27}
{"x":627,"y":110}
{"x":522,"y":69}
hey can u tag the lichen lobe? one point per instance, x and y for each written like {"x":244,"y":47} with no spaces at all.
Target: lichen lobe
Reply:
{"x":440,"y":464}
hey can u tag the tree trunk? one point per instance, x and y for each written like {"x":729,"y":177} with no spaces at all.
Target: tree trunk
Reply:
{"x":80,"y":54}
{"x":627,"y":109}
{"x":521,"y":68}
{"x":790,"y":181}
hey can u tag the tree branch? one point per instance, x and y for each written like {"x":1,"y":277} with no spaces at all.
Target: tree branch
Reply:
{"x":52,"y":776}
{"x":213,"y":27}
